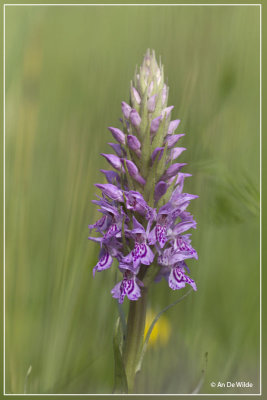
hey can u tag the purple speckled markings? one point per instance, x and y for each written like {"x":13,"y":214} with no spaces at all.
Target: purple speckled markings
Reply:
{"x":127,"y":286}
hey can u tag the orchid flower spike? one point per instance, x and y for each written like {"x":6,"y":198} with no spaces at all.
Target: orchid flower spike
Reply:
{"x":145,"y":221}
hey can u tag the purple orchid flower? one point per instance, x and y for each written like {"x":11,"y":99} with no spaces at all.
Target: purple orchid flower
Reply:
{"x":141,"y":252}
{"x":183,"y":243}
{"x":178,"y":279}
{"x":102,"y":224}
{"x":136,"y":202}
{"x":105,"y":261}
{"x":109,"y":249}
{"x":171,"y":256}
{"x":127,"y":287}
{"x":163,"y":222}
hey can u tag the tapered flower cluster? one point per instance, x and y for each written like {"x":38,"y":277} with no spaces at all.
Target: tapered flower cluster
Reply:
{"x":144,"y":209}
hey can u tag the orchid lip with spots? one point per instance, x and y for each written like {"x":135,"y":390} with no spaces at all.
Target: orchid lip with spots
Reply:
{"x":143,"y":231}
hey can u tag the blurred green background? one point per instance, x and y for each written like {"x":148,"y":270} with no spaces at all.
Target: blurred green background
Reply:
{"x":67,"y":71}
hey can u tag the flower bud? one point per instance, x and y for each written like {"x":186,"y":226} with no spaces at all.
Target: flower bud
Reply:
{"x":167,"y":111}
{"x":111,"y":176}
{"x":111,"y":191}
{"x":114,"y":161}
{"x":155,"y":124}
{"x":134,"y":173}
{"x":117,"y":148}
{"x":135,"y":96}
{"x":133,"y":143}
{"x":175,"y":153}
{"x":135,"y":118}
{"x":173,"y":125}
{"x":117,"y":134}
{"x":172,"y":170}
{"x":160,"y":189}
{"x":164,"y":95}
{"x":126,"y":109}
{"x":173,"y":139}
{"x":155,"y":153}
{"x":151,"y":104}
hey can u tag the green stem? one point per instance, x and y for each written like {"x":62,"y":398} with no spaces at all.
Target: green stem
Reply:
{"x":134,"y":338}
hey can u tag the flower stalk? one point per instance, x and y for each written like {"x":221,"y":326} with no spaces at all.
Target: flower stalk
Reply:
{"x":143,"y":206}
{"x":134,"y":337}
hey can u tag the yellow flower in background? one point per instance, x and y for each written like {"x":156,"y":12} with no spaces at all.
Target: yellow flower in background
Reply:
{"x":161,"y":331}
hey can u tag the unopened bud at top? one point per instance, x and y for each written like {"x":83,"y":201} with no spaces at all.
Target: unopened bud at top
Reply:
{"x":150,"y":77}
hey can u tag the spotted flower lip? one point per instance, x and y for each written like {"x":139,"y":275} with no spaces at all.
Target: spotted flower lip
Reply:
{"x":183,"y":243}
{"x":105,"y":261}
{"x":178,"y":279}
{"x":145,"y":219}
{"x":127,"y":287}
{"x":141,"y":252}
